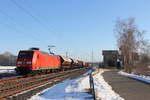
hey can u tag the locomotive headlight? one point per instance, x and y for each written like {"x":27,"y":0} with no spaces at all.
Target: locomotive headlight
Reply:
{"x":29,"y":62}
{"x":19,"y":62}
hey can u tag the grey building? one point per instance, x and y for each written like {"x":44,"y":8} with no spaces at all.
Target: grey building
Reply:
{"x":110,"y":58}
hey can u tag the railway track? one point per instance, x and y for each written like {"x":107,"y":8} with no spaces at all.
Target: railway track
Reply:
{"x":7,"y":75}
{"x":9,"y":88}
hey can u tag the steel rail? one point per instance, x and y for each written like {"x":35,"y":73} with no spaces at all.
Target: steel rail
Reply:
{"x":34,"y":83}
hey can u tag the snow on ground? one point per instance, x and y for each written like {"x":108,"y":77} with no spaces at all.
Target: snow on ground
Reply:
{"x":68,"y":90}
{"x":143,"y":78}
{"x":7,"y":69}
{"x":103,"y":90}
{"x":76,"y":90}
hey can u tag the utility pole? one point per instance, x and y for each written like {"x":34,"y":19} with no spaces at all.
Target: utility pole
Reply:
{"x":66,"y":54}
{"x":92,"y":58}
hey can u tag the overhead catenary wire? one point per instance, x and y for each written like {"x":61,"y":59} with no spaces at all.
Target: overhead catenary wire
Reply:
{"x":14,"y":22}
{"x":46,"y":27}
{"x":14,"y":28}
{"x":5,"y":14}
{"x":9,"y":26}
{"x":18,"y":30}
{"x":30,"y":14}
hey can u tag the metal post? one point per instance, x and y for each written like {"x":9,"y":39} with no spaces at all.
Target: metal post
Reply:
{"x":92,"y":58}
{"x":92,"y":85}
{"x":66,"y":54}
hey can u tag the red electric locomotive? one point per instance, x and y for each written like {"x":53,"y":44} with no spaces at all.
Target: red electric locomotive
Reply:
{"x":35,"y":60}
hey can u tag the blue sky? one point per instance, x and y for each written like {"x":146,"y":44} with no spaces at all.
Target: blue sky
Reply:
{"x":75,"y":26}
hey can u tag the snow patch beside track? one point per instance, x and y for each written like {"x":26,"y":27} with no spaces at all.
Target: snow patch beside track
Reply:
{"x":7,"y":69}
{"x":76,"y":89}
{"x":143,"y":78}
{"x":103,"y":90}
{"x":68,"y":90}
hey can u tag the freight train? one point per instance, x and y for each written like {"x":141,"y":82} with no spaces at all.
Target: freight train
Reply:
{"x":34,"y":60}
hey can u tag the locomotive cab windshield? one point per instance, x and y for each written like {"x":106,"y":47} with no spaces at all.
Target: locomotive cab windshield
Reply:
{"x":24,"y":62}
{"x":25,"y":58}
{"x":25,"y":55}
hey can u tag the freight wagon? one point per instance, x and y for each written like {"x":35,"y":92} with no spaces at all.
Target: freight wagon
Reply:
{"x":34,"y":60}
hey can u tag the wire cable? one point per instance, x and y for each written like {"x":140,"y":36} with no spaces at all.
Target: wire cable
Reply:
{"x":30,"y":14}
{"x":34,"y":17}
{"x":14,"y":28}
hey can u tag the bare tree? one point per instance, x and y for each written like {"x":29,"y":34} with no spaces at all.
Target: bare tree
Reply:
{"x":128,"y":40}
{"x":145,"y":52}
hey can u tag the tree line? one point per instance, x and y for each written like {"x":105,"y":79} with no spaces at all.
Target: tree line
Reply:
{"x":7,"y":59}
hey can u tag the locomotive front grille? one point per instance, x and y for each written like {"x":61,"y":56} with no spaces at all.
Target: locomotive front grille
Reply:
{"x":23,"y":70}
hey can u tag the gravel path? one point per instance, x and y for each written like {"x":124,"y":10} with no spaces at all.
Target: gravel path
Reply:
{"x":127,"y":88}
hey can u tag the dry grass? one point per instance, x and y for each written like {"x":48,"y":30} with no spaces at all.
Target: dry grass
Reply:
{"x":142,"y":69}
